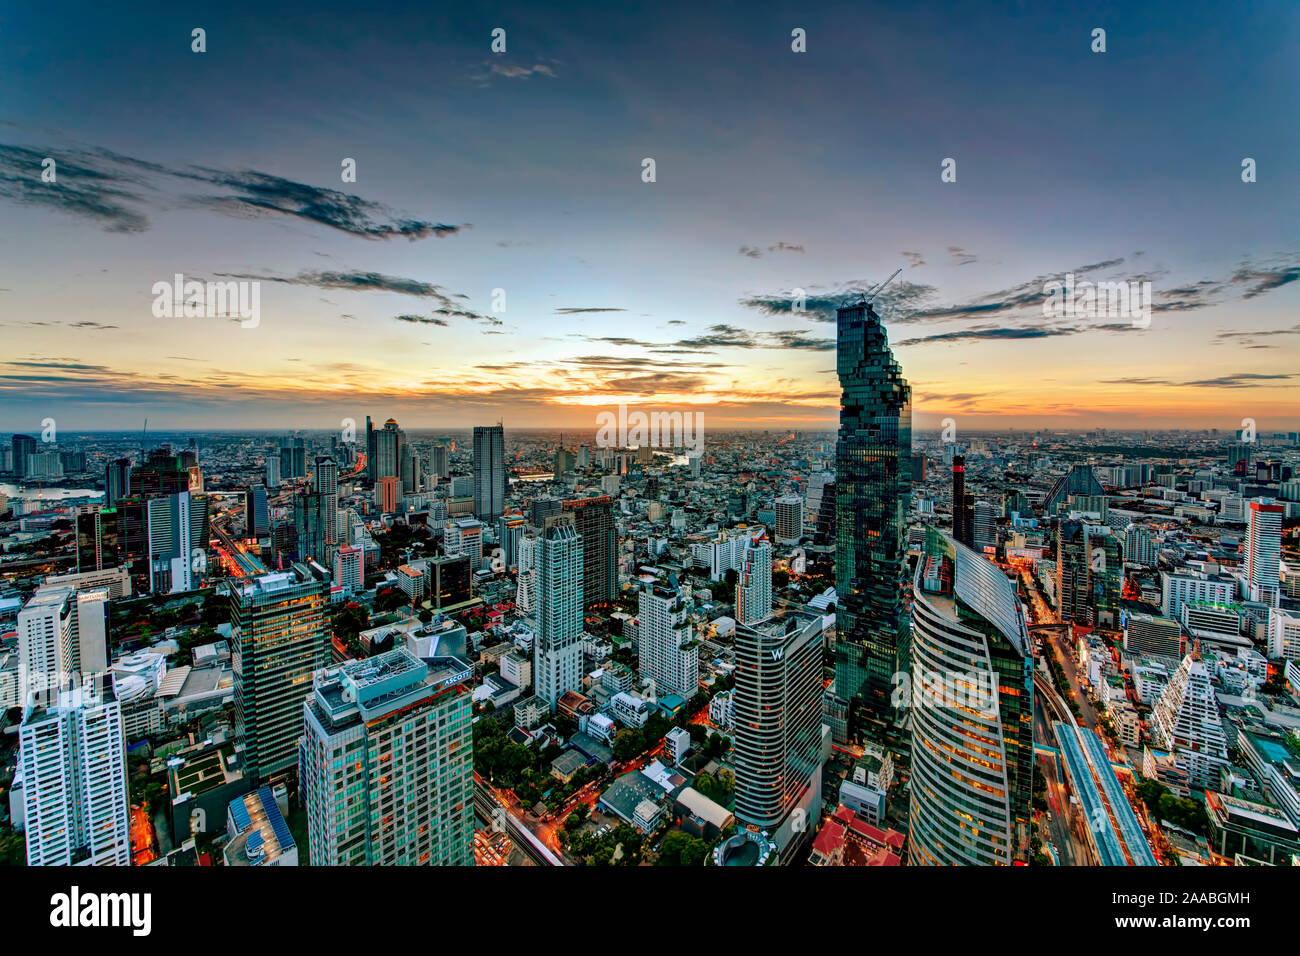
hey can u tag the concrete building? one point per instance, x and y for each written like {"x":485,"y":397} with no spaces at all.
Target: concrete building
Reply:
{"x":72,"y":760}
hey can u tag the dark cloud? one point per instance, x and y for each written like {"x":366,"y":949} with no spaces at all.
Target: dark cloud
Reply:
{"x":114,"y":190}
{"x":963,"y":257}
{"x":581,"y":311}
{"x":914,"y":259}
{"x":753,"y":252}
{"x":422,"y":319}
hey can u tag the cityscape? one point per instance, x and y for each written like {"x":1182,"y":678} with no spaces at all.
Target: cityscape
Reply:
{"x":514,"y":518}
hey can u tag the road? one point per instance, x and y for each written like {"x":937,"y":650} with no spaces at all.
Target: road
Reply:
{"x":491,"y":810}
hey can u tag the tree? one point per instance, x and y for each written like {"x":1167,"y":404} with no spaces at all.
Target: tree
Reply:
{"x":627,"y":744}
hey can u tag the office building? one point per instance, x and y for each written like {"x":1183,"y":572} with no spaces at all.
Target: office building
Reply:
{"x":22,"y":446}
{"x":257,"y":514}
{"x":971,"y":703}
{"x":97,"y":543}
{"x":963,"y":504}
{"x":387,"y":763}
{"x":872,"y":491}
{"x":510,"y":529}
{"x":789,"y":519}
{"x":489,"y":472}
{"x":117,"y":480}
{"x":279,"y":637}
{"x":594,"y":520}
{"x":779,"y":742}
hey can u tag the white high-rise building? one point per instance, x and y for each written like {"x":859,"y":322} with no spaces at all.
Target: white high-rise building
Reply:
{"x":72,"y":759}
{"x":557,"y":650}
{"x":273,"y":471}
{"x":1264,"y":549}
{"x":754,"y":583}
{"x":530,"y":546}
{"x":45,"y":636}
{"x":171,"y":561}
{"x":349,"y":569}
{"x":1139,"y":546}
{"x":667,"y":650}
{"x":789,"y":519}
{"x":1178,"y":589}
{"x":1284,"y":634}
{"x":1186,"y":723}
{"x":464,"y":536}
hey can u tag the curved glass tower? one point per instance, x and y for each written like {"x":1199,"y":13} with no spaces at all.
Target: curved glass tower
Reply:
{"x":873,"y":476}
{"x":972,"y":696}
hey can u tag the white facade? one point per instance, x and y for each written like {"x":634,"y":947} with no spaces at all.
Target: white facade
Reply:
{"x":1186,"y":723}
{"x":72,"y":757}
{"x":1284,"y":634}
{"x":666,"y":647}
{"x":557,"y":650}
{"x":45,"y":641}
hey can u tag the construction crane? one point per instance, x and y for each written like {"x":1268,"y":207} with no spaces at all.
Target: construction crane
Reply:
{"x":875,"y":291}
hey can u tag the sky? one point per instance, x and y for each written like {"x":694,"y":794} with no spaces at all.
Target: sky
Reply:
{"x":499,"y":256}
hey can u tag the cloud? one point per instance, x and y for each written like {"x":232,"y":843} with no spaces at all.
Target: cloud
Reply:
{"x":1234,"y":380}
{"x":898,"y":298}
{"x":753,"y":252}
{"x":985,"y":333}
{"x":513,"y":71}
{"x":914,"y":259}
{"x":422,"y":319}
{"x":963,"y":257}
{"x":581,"y":311}
{"x":116,"y":191}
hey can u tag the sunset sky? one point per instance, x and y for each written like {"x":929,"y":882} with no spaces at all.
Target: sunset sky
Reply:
{"x":522,"y":171}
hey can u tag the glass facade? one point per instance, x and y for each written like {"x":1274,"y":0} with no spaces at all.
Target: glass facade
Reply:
{"x":873,"y":469}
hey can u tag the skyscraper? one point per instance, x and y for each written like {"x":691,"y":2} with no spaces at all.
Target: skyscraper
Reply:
{"x":72,"y":758}
{"x":45,"y":638}
{"x":279,"y":637}
{"x":1264,"y":549}
{"x":23,"y":445}
{"x":971,"y":697}
{"x":97,"y":544}
{"x":387,"y":763}
{"x":557,"y":648}
{"x":872,"y":487}
{"x":489,"y":472}
{"x":176,"y":560}
{"x":257,"y":515}
{"x":963,"y":504}
{"x":117,"y":480}
{"x":754,"y":583}
{"x":594,"y":520}
{"x":777,"y":706}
